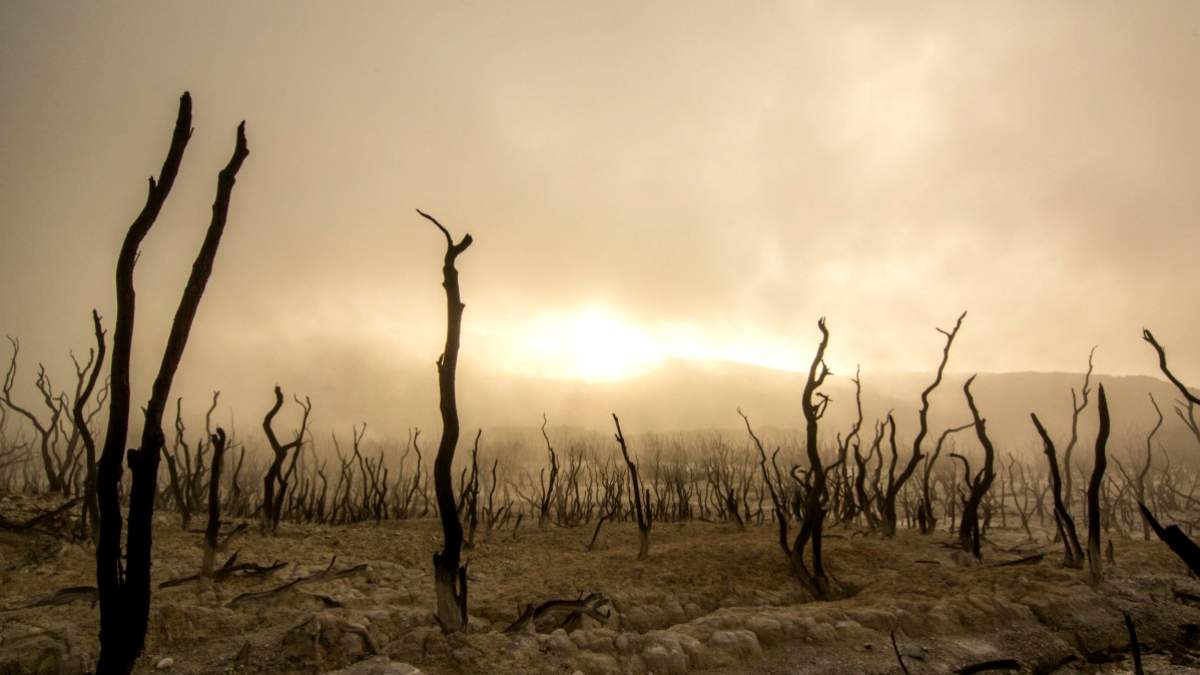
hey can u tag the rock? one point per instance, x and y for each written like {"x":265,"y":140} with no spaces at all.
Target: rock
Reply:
{"x":621,"y":643}
{"x":560,"y":643}
{"x":591,"y":663}
{"x":665,"y":658}
{"x":739,"y":643}
{"x":914,"y":652}
{"x":165,"y":664}
{"x":768,"y":630}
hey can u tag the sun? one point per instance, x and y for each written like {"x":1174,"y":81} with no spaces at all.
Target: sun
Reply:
{"x":590,"y":344}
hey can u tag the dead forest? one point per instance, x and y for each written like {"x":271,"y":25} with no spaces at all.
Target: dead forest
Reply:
{"x":199,"y":547}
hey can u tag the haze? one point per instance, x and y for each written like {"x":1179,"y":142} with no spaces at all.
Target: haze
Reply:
{"x":647,"y":185}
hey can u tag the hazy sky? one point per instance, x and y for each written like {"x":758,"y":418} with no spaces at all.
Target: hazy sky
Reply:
{"x":643,"y":181}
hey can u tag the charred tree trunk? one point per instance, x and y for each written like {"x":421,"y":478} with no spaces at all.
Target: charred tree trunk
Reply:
{"x":816,"y":491}
{"x":1093,"y":493}
{"x":641,"y":506}
{"x":1065,"y":524}
{"x":90,"y":506}
{"x":214,"y":503}
{"x":895,"y":485}
{"x":124,"y":590}
{"x":274,"y":479}
{"x":968,"y":530}
{"x":450,"y":580}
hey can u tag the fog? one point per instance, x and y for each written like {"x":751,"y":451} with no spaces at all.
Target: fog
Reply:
{"x":648,"y":186}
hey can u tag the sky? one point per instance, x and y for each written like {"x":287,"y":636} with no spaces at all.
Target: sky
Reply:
{"x":645,"y":183}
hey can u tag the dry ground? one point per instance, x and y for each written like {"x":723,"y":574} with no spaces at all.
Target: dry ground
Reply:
{"x":709,"y":600}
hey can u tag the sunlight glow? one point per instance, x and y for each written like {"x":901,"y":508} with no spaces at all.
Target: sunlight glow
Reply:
{"x":595,"y":344}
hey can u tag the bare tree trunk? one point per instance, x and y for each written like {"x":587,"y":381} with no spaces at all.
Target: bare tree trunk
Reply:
{"x":214,"y":503}
{"x":450,"y":580}
{"x":124,"y":591}
{"x":91,"y":508}
{"x":968,"y":530}
{"x":895,"y":485}
{"x":1093,"y":493}
{"x":1063,"y":521}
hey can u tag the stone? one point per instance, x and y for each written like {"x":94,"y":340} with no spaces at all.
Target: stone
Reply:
{"x":165,"y":663}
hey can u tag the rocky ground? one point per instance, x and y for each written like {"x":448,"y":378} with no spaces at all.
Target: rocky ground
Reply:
{"x":710,"y":599}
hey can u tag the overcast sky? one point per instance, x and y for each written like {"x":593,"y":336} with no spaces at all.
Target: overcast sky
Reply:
{"x":681,"y":179}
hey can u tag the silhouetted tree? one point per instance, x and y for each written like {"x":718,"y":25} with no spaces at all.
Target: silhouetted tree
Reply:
{"x":896,"y":484}
{"x":1079,"y":403}
{"x":641,"y":506}
{"x":450,"y":580}
{"x":214,"y":503}
{"x":1186,"y":408}
{"x":1062,"y":516}
{"x":274,"y":479}
{"x":1093,"y":493}
{"x":124,"y":588}
{"x":90,"y":508}
{"x":968,"y":531}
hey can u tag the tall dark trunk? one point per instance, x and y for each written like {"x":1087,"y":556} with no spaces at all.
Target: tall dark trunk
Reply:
{"x":968,"y":530}
{"x":450,"y":580}
{"x":124,"y":590}
{"x":1093,"y":494}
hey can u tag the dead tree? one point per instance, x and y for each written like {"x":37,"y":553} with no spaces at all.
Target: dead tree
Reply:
{"x":809,"y":502}
{"x":896,"y":484}
{"x":1079,"y":403}
{"x":124,"y":589}
{"x":90,"y":508}
{"x":926,"y":520}
{"x":273,"y":502}
{"x":1186,"y":409}
{"x":179,"y":489}
{"x":1139,"y":486}
{"x":641,"y":503}
{"x":1093,"y":493}
{"x":968,"y":531}
{"x":816,"y":492}
{"x":450,"y":580}
{"x":47,"y":431}
{"x":1064,"y":523}
{"x":547,"y":486}
{"x":214,"y":503}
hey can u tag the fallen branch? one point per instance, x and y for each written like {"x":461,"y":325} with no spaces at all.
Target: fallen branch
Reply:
{"x":324,"y":575}
{"x":577,"y":609}
{"x":1027,"y":560}
{"x":63,"y":597}
{"x":6,"y":524}
{"x":228,"y":569}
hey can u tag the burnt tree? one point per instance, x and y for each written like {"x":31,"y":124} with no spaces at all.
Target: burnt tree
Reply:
{"x":124,"y":588}
{"x":1079,"y":403}
{"x":641,"y":505}
{"x":450,"y":580}
{"x":213,"y":528}
{"x":1093,"y":492}
{"x":1186,"y":409}
{"x":90,"y":508}
{"x":547,"y":486}
{"x":274,"y":482}
{"x":968,"y":530}
{"x":1064,"y":523}
{"x":895,"y":485}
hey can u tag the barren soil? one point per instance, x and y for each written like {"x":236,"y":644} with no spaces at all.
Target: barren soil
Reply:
{"x":710,"y":599}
